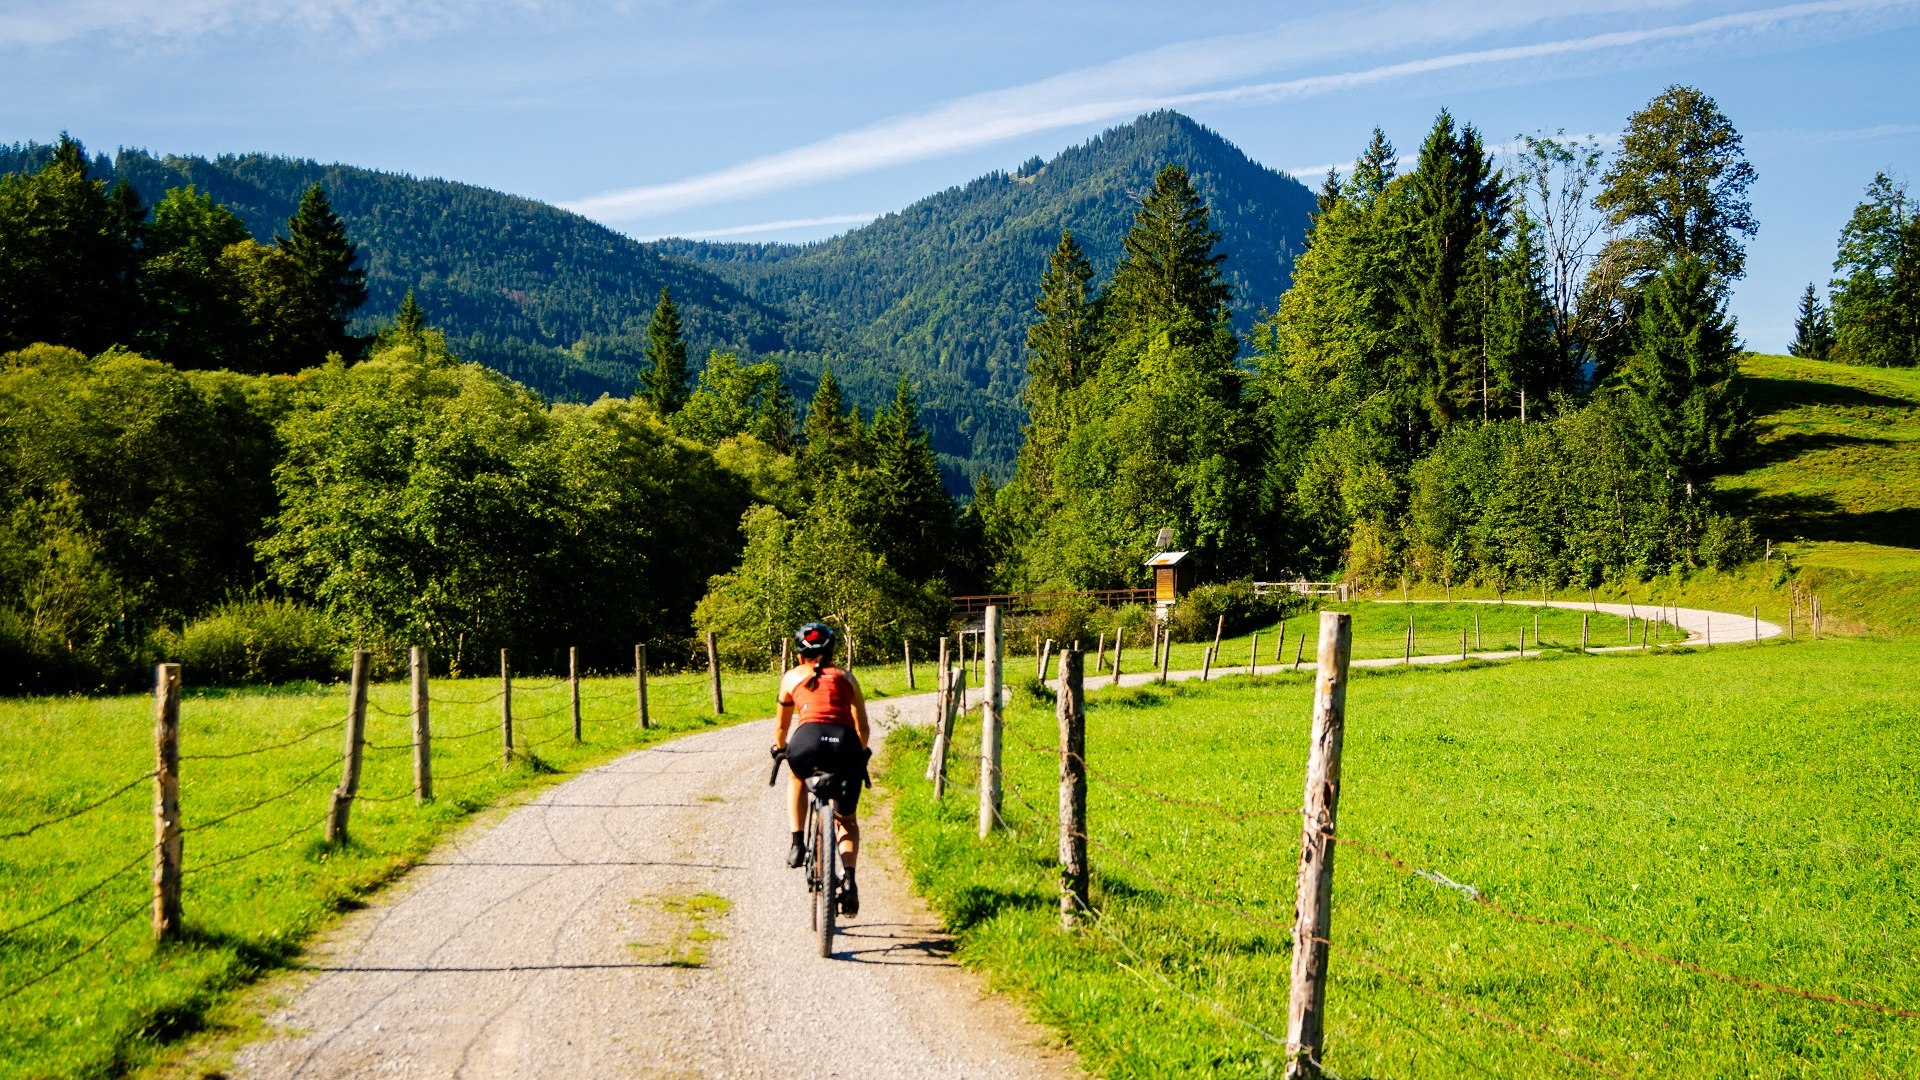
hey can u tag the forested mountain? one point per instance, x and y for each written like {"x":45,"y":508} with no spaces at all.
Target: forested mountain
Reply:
{"x":947,"y":285}
{"x":550,"y":298}
{"x":941,"y":291}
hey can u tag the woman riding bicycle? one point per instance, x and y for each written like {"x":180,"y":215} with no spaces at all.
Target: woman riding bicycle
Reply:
{"x":831,"y":739}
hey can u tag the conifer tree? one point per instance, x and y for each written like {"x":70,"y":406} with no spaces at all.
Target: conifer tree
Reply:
{"x":833,"y":436}
{"x":1680,"y":375}
{"x":317,"y":242}
{"x":1524,"y":363}
{"x":664,"y":382}
{"x":1170,"y":272}
{"x":1812,"y":328}
{"x":1456,"y":228}
{"x":409,"y":326}
{"x":1061,"y":353}
{"x":68,"y":259}
{"x":912,"y":515}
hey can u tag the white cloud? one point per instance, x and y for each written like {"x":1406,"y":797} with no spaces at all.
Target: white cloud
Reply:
{"x":1169,"y":78}
{"x":787,"y":225}
{"x":51,"y":22}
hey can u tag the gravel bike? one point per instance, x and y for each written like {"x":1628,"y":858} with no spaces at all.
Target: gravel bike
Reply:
{"x":821,"y":843}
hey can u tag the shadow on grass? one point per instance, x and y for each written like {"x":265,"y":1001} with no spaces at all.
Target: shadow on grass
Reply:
{"x":1771,"y":395}
{"x":976,"y":904}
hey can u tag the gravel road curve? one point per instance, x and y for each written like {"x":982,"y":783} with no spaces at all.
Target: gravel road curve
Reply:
{"x":541,"y":946}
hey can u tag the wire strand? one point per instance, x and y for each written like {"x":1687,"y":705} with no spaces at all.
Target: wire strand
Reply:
{"x":264,"y":749}
{"x":94,"y":805}
{"x":72,"y":900}
{"x":251,"y":807}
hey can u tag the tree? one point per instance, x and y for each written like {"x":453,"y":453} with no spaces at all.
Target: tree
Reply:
{"x":909,"y":508}
{"x":664,"y":382}
{"x":1680,"y":183}
{"x":68,"y":256}
{"x":1170,"y":273}
{"x":1812,"y":328}
{"x":1556,"y":173}
{"x":737,"y":399}
{"x":1876,"y":288}
{"x":1680,"y":375}
{"x":1061,"y":352}
{"x":317,"y":243}
{"x":835,"y":440}
{"x":1455,"y":226}
{"x":1523,"y":362}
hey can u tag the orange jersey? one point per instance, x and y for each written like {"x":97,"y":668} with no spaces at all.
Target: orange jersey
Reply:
{"x":829,"y":702}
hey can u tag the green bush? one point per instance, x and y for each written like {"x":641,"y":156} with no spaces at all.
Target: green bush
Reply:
{"x":1198,"y":613}
{"x":256,"y":641}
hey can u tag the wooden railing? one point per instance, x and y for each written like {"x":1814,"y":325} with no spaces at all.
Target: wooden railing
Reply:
{"x":1301,"y":587}
{"x":970,"y":607}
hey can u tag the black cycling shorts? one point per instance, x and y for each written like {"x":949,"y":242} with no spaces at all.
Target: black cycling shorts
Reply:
{"x":833,"y":749}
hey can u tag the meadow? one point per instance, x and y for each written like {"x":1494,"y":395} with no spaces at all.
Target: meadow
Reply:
{"x":257,"y":768}
{"x":1720,"y":807}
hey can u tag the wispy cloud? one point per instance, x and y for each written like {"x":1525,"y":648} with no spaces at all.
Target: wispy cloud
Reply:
{"x":52,"y":22}
{"x":787,"y":225}
{"x":1171,"y":77}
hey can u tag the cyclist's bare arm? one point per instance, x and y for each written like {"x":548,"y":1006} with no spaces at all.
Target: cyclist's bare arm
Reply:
{"x":859,"y":711}
{"x":783,"y":708}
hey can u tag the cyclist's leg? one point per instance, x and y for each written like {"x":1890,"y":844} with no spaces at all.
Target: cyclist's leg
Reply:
{"x":849,"y":839}
{"x":796,"y":802}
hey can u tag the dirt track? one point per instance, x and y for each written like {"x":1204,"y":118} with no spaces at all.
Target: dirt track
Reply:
{"x":540,"y":944}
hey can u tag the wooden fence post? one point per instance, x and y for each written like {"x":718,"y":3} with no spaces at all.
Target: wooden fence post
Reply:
{"x":506,"y":709}
{"x":1253,"y":655}
{"x":990,"y":724}
{"x":1583,"y":630}
{"x":1299,"y":648}
{"x":1046,"y":658}
{"x":1536,"y":631}
{"x":166,"y":802}
{"x":941,"y":679}
{"x":949,"y":716}
{"x":1476,"y":629}
{"x":911,"y":685}
{"x":1071,"y":709}
{"x":1119,"y":643}
{"x":1166,"y":653}
{"x":640,"y":685}
{"x":1756,"y":625}
{"x":786,"y":655}
{"x":350,"y":755}
{"x":1280,"y":649}
{"x":1523,"y":641}
{"x":1157,"y":631}
{"x":422,"y":728}
{"x":1206,"y":665}
{"x":1219,"y":628}
{"x":1100,"y":653}
{"x":1793,"y":605}
{"x":1409,"y":657}
{"x":1313,"y":897}
{"x":573,"y":687}
{"x":1646,"y":625}
{"x":713,"y":670}
{"x":1463,"y":643}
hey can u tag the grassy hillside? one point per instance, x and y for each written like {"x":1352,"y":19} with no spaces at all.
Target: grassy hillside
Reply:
{"x":1694,"y":804}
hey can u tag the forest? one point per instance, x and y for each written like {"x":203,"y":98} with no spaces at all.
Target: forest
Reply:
{"x":1512,"y":374}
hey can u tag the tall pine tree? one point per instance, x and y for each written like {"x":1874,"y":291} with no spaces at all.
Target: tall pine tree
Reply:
{"x":664,"y":382}
{"x":912,"y":516}
{"x":1455,"y":229}
{"x":1812,"y":328}
{"x":68,"y":256}
{"x":1061,"y":352}
{"x":1680,"y":375}
{"x":317,"y":242}
{"x":1169,"y":274}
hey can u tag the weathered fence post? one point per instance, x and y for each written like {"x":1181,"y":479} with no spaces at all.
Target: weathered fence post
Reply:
{"x":1206,"y":665}
{"x":1166,"y":653}
{"x":1046,"y":658}
{"x":1119,"y":644}
{"x":640,"y":685}
{"x":949,"y":716}
{"x":422,"y":727}
{"x":166,"y":802}
{"x":1071,"y":709}
{"x":1523,"y":641}
{"x":713,"y":671}
{"x":941,"y":679}
{"x":990,"y":724}
{"x":1219,"y":628}
{"x":1157,"y":632}
{"x":1476,"y":629}
{"x":1100,"y":654}
{"x":1793,"y":604}
{"x":1536,"y":631}
{"x":573,"y":687}
{"x":1646,"y":626}
{"x":1463,"y":643}
{"x":1583,"y":631}
{"x":1408,"y":659}
{"x":506,"y":709}
{"x":1253,"y":655}
{"x":911,"y":685}
{"x":1313,"y":898}
{"x":1756,"y":625}
{"x":1299,"y":649}
{"x":1280,"y":649}
{"x":786,"y":655}
{"x":1039,"y":658}
{"x":350,"y":754}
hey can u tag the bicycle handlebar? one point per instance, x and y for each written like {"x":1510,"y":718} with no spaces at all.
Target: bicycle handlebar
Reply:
{"x":775,"y":774}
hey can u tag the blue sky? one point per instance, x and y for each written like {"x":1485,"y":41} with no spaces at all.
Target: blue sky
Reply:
{"x":793,"y":121}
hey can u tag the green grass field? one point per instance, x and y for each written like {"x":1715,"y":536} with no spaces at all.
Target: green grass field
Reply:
{"x":1723,"y":807}
{"x":114,"y":1008}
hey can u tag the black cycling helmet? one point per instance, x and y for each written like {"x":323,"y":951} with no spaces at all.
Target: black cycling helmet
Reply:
{"x":815,"y":637}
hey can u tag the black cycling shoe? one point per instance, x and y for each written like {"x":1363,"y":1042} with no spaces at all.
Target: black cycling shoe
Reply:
{"x":796,"y":855}
{"x":850,"y":900}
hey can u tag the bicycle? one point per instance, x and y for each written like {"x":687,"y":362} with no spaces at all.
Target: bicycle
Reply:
{"x":821,"y":844}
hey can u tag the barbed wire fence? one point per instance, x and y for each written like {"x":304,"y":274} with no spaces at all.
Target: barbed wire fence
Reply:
{"x":599,"y":709}
{"x":1303,"y":1042}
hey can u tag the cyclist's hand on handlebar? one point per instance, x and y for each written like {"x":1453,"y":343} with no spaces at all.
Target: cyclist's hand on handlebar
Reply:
{"x":777,"y":752}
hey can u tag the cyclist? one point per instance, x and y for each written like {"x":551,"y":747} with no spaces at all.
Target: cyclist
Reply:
{"x":832,"y":738}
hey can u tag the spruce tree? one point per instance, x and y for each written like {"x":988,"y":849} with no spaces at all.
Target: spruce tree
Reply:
{"x":68,"y":258}
{"x":1812,"y":328}
{"x":833,"y":436}
{"x":1680,"y":375}
{"x":317,"y":242}
{"x":1061,"y":351}
{"x":409,"y":326}
{"x":1524,"y":363}
{"x":1455,"y":230}
{"x":664,"y":382}
{"x":1169,"y":275}
{"x":911,"y":514}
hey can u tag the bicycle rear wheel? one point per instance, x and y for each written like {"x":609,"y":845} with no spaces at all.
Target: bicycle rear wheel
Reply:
{"x":827,"y":900}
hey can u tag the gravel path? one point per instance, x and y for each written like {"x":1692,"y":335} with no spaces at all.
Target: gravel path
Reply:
{"x":543,"y":943}
{"x":541,"y":946}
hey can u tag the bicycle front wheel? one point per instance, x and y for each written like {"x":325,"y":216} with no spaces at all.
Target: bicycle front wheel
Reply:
{"x":827,"y":900}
